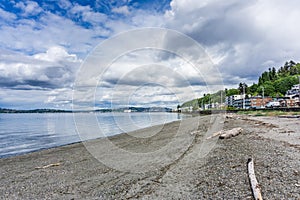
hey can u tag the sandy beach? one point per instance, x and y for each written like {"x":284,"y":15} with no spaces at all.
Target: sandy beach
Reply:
{"x":174,"y":161}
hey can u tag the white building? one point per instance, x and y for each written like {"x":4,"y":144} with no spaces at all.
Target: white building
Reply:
{"x":293,"y":91}
{"x":230,"y":100}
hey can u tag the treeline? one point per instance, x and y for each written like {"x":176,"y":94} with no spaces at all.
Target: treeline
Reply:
{"x":274,"y":83}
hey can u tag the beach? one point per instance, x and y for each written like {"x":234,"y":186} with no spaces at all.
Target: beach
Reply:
{"x":171,"y":161}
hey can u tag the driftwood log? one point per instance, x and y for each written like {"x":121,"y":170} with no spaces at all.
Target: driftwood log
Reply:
{"x":226,"y":134}
{"x":253,"y":181}
{"x":216,"y":134}
{"x":231,"y":133}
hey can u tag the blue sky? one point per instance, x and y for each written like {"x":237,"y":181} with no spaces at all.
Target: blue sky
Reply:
{"x":98,"y":17}
{"x":44,"y":43}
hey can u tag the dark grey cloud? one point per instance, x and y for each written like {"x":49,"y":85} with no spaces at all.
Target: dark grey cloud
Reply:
{"x":249,"y":36}
{"x":25,"y":84}
{"x":53,"y":69}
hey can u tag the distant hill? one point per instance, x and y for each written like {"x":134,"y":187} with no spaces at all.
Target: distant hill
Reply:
{"x":206,"y":99}
{"x":143,"y":109}
{"x":132,"y":109}
{"x":5,"y":110}
{"x":192,"y":103}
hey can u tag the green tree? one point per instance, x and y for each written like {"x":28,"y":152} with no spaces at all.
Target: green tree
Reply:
{"x":260,"y":81}
{"x":265,"y":77}
{"x":232,"y":91}
{"x":287,"y":69}
{"x":269,"y":89}
{"x":253,"y":89}
{"x":273,"y":73}
{"x":284,"y":84}
{"x":241,"y":88}
{"x":270,"y":74}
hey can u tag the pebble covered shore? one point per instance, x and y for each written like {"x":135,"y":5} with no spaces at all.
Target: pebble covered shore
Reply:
{"x":220,"y":173}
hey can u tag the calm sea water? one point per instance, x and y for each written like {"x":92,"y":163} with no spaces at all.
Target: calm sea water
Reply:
{"x":23,"y":133}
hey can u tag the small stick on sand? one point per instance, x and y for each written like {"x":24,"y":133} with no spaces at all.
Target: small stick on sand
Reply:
{"x":253,"y":181}
{"x":47,"y":166}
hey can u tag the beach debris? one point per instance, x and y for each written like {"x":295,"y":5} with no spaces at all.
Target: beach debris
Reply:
{"x":157,"y":180}
{"x":50,"y":165}
{"x":231,"y":117}
{"x":231,"y":133}
{"x":256,"y":190}
{"x":289,"y":116}
{"x":226,"y":134}
{"x":195,"y":132}
{"x":215,"y":134}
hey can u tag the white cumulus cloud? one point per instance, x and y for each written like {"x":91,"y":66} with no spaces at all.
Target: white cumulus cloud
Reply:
{"x":121,"y":10}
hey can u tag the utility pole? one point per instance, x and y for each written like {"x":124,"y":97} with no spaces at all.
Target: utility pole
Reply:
{"x":263,"y":94}
{"x":299,"y":91}
{"x":222,"y":100}
{"x":244,"y":96}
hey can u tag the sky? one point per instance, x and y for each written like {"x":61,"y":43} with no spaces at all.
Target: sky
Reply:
{"x":45,"y":45}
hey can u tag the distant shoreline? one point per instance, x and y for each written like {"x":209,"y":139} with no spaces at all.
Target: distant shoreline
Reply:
{"x":6,"y":110}
{"x":132,"y":109}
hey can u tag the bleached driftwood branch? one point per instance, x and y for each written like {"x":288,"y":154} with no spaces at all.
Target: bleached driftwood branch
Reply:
{"x":231,"y":133}
{"x":216,"y":134}
{"x":50,"y":165}
{"x":226,"y":134}
{"x":253,"y":181}
{"x":195,"y":132}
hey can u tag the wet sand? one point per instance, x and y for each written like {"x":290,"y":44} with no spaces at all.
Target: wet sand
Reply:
{"x":174,"y":161}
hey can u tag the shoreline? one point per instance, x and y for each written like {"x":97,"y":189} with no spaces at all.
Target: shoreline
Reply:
{"x":179,"y":172}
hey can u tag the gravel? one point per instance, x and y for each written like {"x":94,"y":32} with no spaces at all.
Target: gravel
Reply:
{"x":191,"y":168}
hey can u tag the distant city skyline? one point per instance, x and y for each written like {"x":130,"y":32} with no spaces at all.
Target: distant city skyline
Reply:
{"x":43,"y":44}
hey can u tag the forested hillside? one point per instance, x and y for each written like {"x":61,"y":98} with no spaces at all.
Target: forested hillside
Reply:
{"x":274,"y":82}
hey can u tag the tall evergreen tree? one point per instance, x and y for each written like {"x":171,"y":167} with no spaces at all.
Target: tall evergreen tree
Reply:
{"x":273,"y":73}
